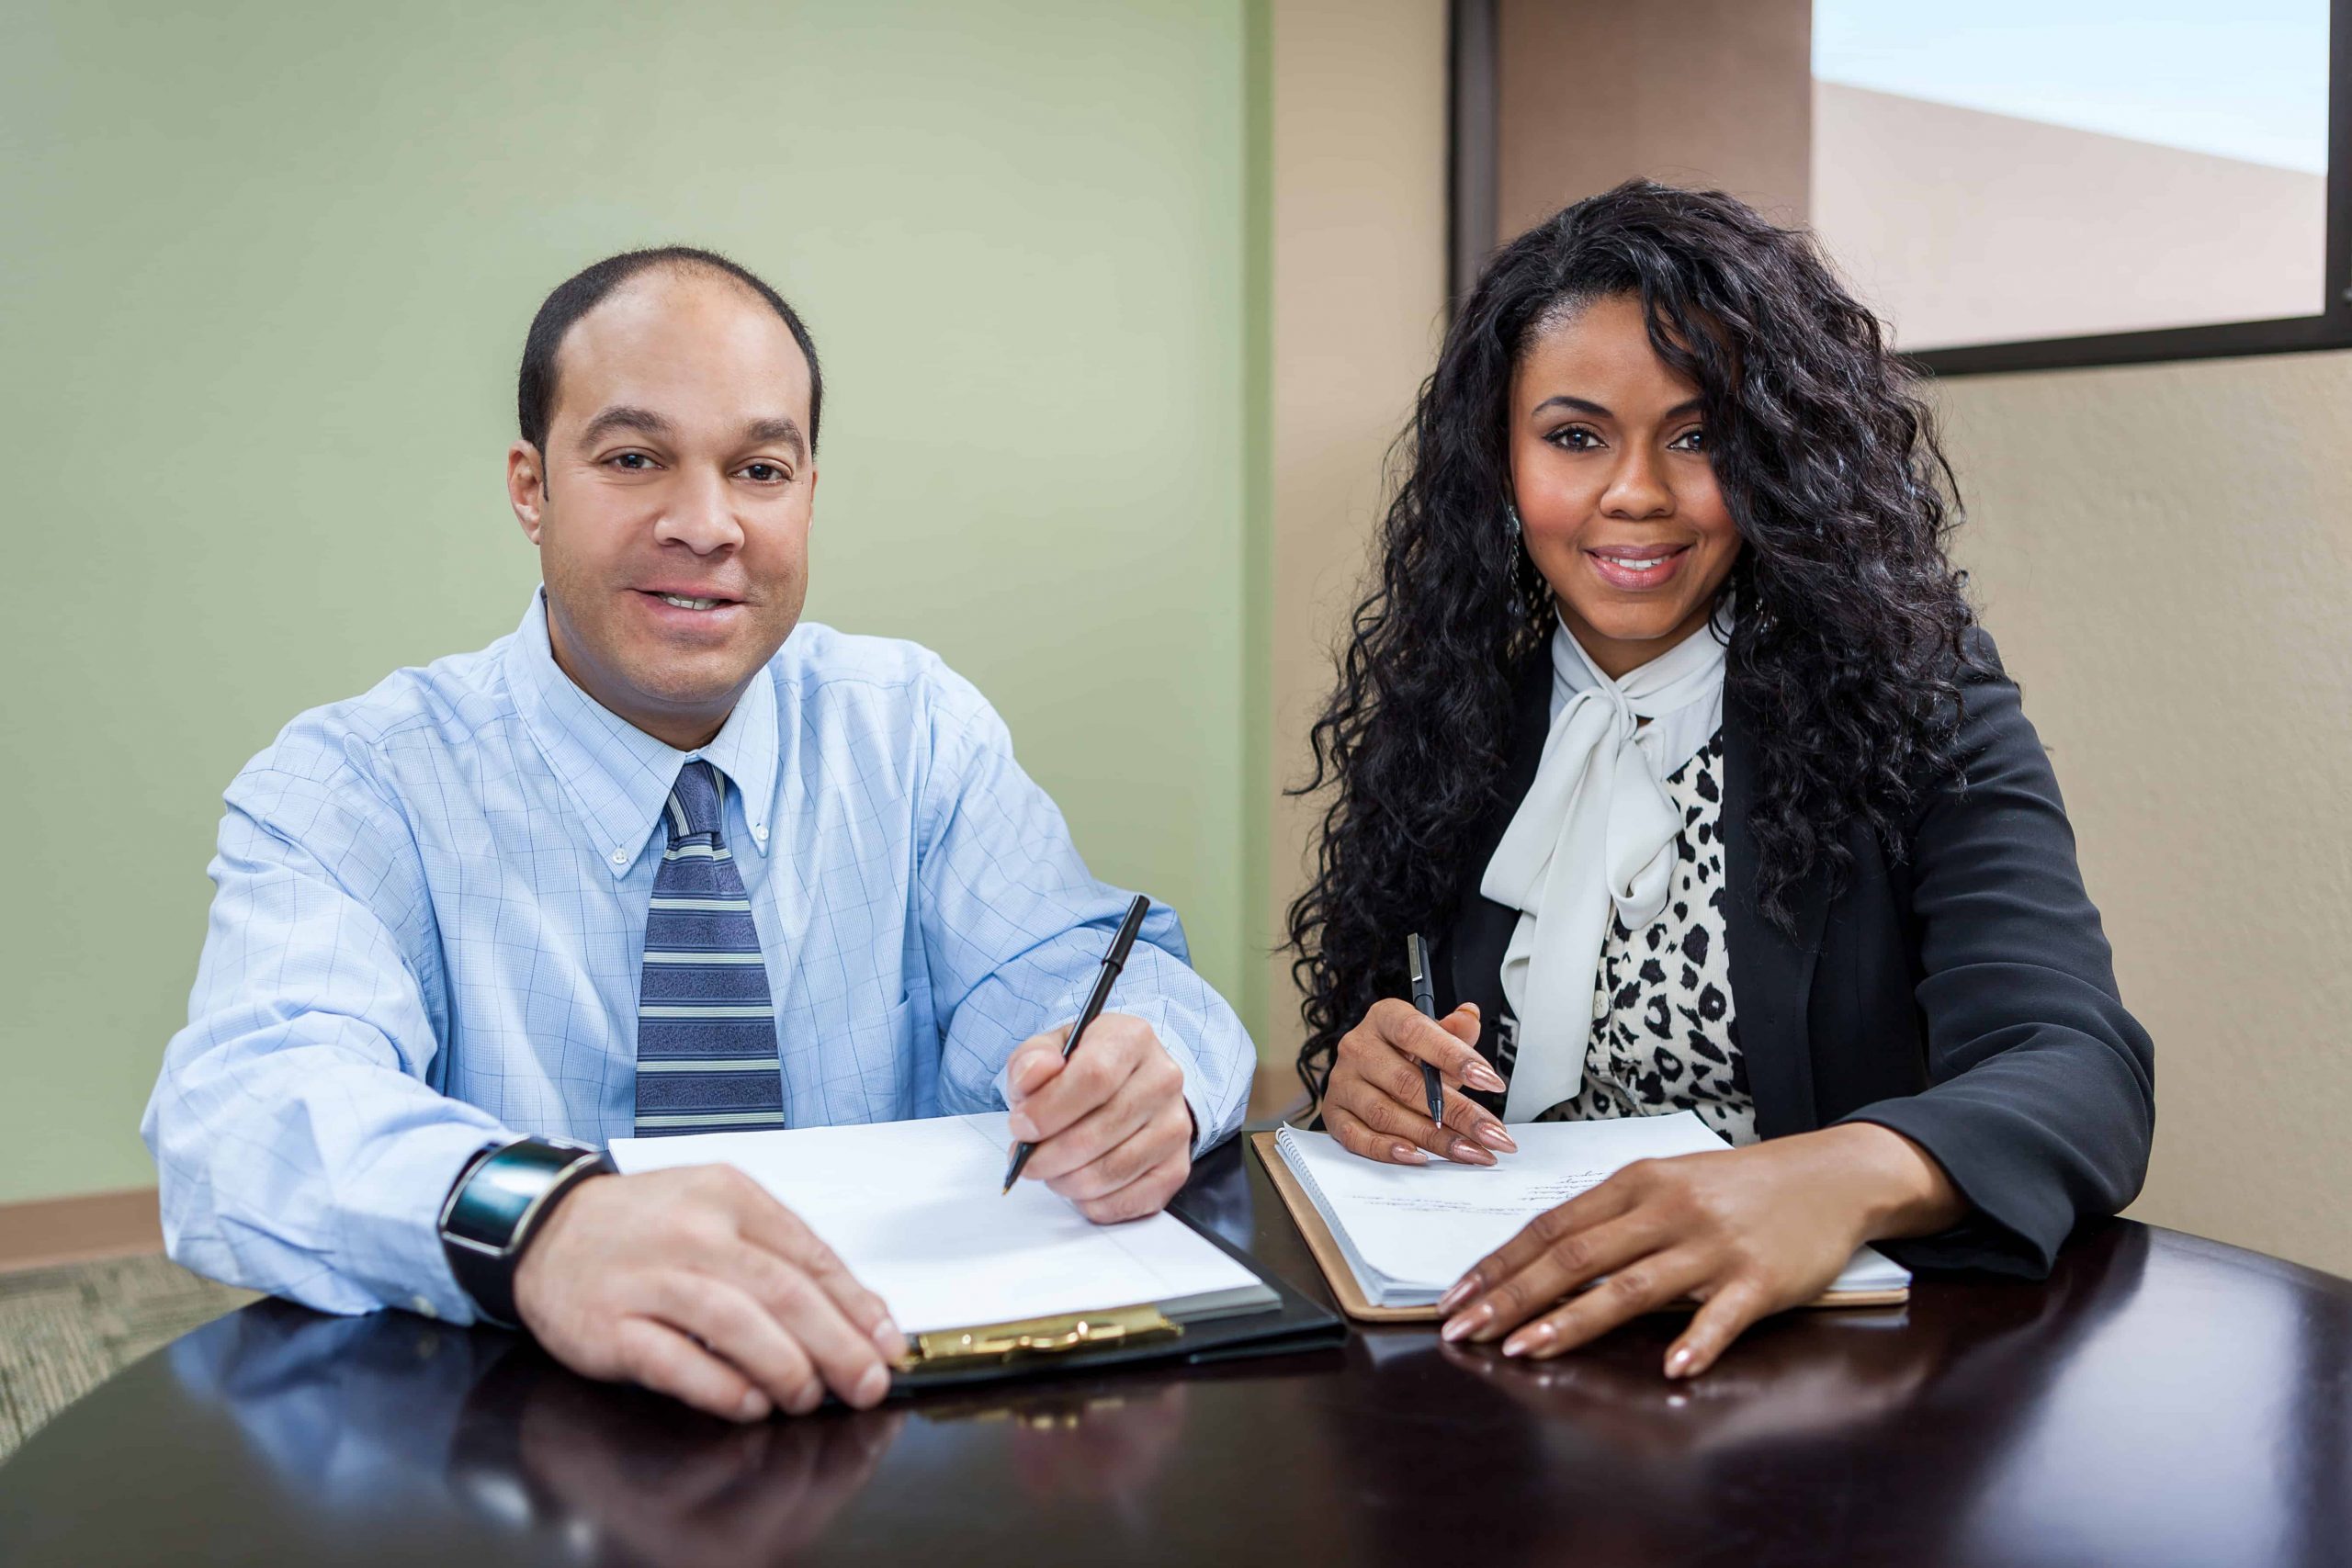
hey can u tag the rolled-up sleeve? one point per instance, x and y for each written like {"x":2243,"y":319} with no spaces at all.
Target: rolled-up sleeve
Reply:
{"x":1014,"y":927}
{"x":299,"y":1145}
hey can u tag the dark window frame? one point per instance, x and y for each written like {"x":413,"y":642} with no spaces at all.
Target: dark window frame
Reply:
{"x":1472,"y":200}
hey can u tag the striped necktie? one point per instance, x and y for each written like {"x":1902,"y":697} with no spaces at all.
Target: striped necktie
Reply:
{"x":705,"y":1026}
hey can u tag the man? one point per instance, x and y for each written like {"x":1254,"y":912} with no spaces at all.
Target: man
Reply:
{"x":659,"y":862}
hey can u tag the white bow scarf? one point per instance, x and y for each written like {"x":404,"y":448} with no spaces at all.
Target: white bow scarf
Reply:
{"x":1596,"y":829}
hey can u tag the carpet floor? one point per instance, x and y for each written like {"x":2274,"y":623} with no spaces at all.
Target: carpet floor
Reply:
{"x":67,"y":1329}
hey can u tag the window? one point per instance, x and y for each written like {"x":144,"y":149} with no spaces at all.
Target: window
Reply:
{"x":2035,"y":182}
{"x":2013,"y":184}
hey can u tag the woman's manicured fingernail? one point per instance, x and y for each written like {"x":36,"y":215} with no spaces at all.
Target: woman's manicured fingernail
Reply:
{"x":1469,"y":1153}
{"x":1491,"y":1134}
{"x":1528,"y":1339}
{"x":1405,"y":1154}
{"x":872,"y":1386}
{"x":1478,"y":1074}
{"x":888,"y":1340}
{"x":752,"y":1406}
{"x":1462,"y":1290}
{"x":1458,"y":1329}
{"x":1678,"y":1361}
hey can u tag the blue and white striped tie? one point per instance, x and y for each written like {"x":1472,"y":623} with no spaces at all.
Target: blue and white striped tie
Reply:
{"x":705,"y":1025}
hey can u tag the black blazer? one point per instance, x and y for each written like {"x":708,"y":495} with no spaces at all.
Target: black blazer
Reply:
{"x":1962,"y":993}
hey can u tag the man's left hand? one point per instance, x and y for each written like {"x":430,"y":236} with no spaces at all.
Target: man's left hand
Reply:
{"x":1113,"y":1133}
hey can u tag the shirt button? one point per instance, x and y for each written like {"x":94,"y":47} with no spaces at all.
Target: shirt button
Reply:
{"x":424,"y":1305}
{"x":759,"y":829}
{"x":620,"y":857}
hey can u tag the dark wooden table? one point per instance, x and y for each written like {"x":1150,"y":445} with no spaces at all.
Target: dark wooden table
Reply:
{"x":2160,"y":1400}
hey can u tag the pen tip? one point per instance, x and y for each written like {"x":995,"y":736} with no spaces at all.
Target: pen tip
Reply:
{"x":1005,"y":1189}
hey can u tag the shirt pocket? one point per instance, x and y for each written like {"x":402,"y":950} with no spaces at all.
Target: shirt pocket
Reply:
{"x":897,"y":1052}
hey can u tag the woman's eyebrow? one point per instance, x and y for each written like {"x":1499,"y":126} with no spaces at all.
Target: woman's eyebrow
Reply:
{"x":1584,"y":405}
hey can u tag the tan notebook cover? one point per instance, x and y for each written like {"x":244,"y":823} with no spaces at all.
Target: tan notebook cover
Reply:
{"x":1350,"y":1296}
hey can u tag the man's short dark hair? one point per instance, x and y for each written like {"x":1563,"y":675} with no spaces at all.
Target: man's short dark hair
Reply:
{"x":586,"y":290}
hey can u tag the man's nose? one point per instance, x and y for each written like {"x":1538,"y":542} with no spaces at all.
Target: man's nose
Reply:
{"x":701,"y":516}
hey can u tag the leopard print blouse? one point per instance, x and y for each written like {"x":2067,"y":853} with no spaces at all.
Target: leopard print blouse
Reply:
{"x":1665,"y":1036}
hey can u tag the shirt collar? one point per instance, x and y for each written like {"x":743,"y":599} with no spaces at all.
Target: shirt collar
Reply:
{"x":614,"y":774}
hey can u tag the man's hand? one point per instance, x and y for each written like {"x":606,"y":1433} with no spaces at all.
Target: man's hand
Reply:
{"x":697,"y":1283}
{"x":1113,"y":1133}
{"x":1374,"y":1104}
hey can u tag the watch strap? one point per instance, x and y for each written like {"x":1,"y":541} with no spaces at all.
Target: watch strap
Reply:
{"x":498,"y":1203}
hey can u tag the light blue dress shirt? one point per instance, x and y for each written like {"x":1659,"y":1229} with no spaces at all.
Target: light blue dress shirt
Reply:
{"x":430,"y":921}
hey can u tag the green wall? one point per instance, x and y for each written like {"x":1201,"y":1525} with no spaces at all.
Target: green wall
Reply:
{"x":265,"y":274}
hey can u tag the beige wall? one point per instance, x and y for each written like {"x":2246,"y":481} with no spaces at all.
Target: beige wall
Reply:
{"x":1964,"y":227}
{"x":1359,"y":124}
{"x":1692,"y":92}
{"x":2164,"y":554}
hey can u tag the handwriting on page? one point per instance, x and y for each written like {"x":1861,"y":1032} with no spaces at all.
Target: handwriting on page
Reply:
{"x":1556,"y":1189}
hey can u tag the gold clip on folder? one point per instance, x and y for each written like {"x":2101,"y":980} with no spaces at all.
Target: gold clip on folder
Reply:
{"x":996,"y":1344}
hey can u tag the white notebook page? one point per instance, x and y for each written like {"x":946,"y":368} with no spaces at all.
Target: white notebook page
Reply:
{"x":1420,"y":1228}
{"x":911,"y":1208}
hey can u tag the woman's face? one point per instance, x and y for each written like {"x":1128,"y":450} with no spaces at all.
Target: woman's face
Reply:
{"x":1616,"y":493}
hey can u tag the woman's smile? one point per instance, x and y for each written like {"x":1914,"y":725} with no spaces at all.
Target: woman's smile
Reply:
{"x":1637,"y":567}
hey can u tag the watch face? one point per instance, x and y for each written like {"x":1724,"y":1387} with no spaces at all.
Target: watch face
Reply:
{"x":501,"y":1189}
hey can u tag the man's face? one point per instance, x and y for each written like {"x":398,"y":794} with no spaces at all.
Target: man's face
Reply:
{"x":672,"y":512}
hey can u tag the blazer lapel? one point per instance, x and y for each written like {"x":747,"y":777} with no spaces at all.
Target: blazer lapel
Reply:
{"x":1471,"y":954}
{"x":1771,"y":973}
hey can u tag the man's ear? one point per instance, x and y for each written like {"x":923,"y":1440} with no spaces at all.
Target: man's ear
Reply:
{"x":526,"y":487}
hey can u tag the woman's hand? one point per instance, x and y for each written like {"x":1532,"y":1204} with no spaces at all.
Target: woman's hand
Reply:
{"x":1746,"y":1233}
{"x":1375,"y":1106}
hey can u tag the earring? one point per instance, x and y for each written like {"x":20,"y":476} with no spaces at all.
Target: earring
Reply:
{"x":1511,"y":514}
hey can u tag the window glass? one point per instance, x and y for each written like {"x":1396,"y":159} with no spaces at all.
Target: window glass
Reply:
{"x":2019,"y":169}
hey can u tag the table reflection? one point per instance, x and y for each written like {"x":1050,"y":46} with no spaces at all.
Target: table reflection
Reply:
{"x":641,"y":1477}
{"x":389,"y":1416}
{"x":1599,"y":1451}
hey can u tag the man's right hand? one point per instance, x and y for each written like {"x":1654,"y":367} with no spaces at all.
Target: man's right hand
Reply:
{"x":697,"y":1283}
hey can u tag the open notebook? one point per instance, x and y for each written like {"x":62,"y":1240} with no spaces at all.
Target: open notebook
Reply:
{"x":1406,"y":1233}
{"x":912,"y":1208}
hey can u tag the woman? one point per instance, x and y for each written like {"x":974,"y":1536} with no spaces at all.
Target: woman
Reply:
{"x":1668,"y":720}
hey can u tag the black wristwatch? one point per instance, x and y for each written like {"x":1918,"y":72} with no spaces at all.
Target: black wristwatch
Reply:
{"x":498,"y":1202}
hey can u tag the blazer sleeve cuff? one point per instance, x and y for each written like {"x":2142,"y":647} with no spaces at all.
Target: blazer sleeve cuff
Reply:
{"x":2015,"y":1222}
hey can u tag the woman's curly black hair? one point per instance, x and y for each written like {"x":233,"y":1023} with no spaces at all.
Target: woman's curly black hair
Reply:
{"x":1850,"y":615}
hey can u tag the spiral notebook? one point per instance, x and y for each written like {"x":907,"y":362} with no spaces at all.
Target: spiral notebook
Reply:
{"x":1392,"y":1238}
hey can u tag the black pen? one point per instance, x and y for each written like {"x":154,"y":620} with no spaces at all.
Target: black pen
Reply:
{"x":1112,"y":961}
{"x":1417,"y":964}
